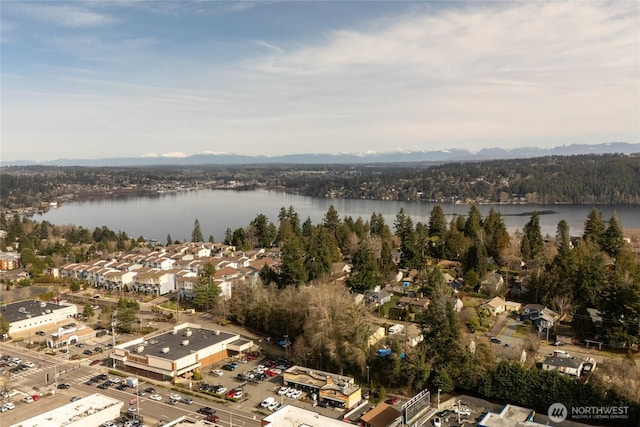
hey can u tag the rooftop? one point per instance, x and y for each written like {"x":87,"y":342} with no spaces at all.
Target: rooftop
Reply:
{"x":72,"y":412}
{"x":26,"y":309}
{"x":298,"y":417}
{"x":178,"y":343}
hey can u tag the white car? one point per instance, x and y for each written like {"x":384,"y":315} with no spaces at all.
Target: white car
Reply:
{"x":9,"y":405}
{"x":174,"y":396}
{"x":282,"y":391}
{"x":155,"y":397}
{"x":115,"y":380}
{"x":274,"y":406}
{"x":28,"y":399}
{"x":268,"y":401}
{"x":290,"y":392}
{"x":221,"y":390}
{"x":437,"y":422}
{"x":296,"y":394}
{"x":217,"y":372}
{"x":29,"y":364}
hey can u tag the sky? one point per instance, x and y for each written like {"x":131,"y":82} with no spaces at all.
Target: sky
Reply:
{"x":96,"y":79}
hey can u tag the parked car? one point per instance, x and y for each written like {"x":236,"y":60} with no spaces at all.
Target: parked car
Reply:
{"x":63,"y":386}
{"x":95,"y":362}
{"x":9,"y":406}
{"x":266,"y":402}
{"x":558,"y":343}
{"x":283,"y":390}
{"x":88,"y":352}
{"x":437,"y":422}
{"x":149,"y":390}
{"x":41,"y":333}
{"x":391,"y":401}
{"x":75,"y":398}
{"x":79,"y":345}
{"x":155,"y":397}
{"x":175,"y":396}
{"x":495,"y":340}
{"x":27,"y":399}
{"x":217,"y":372}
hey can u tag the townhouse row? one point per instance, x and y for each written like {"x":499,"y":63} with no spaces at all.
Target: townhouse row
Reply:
{"x":175,"y":268}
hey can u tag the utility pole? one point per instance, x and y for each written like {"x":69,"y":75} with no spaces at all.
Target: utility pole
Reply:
{"x":439,"y":399}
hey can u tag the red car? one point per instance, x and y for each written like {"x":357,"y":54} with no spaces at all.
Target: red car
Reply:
{"x":95,"y":362}
{"x":270,"y":372}
{"x":35,"y":397}
{"x":391,"y":401}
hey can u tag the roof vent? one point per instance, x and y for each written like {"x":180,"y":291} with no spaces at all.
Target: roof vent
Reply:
{"x":216,"y":332}
{"x":188,"y":333}
{"x":21,"y":310}
{"x":140,"y":349}
{"x":174,"y":332}
{"x":43,"y":304}
{"x":185,"y":342}
{"x":165,"y":350}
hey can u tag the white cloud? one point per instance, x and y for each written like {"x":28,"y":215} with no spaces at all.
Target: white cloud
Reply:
{"x":470,"y":76}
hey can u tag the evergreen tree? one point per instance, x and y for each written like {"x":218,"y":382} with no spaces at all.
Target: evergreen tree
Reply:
{"x":206,"y":291}
{"x":496,"y":236}
{"x":169,"y":240}
{"x":292,"y":271}
{"x":196,"y":234}
{"x":532,"y":243}
{"x":406,"y":233}
{"x":473,"y":225}
{"x":365,"y":274}
{"x":613,"y":238}
{"x":437,"y":222}
{"x":594,"y":227}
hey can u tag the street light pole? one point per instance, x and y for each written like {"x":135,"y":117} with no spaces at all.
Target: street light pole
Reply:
{"x":113,"y":349}
{"x":368,"y":382}
{"x":439,"y":399}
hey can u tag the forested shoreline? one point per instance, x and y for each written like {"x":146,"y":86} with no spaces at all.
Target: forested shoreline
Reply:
{"x":612,"y":179}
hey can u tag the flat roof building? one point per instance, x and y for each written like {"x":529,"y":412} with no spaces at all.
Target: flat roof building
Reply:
{"x":91,"y":411}
{"x":337,"y":390}
{"x":28,"y":315}
{"x":510,"y":416}
{"x":294,"y":416}
{"x":185,"y":349}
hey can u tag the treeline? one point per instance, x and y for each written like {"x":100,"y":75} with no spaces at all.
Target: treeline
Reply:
{"x":584,"y":179}
{"x":604,"y":179}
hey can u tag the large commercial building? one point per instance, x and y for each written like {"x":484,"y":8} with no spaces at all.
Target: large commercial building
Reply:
{"x":185,"y":349}
{"x":336,"y":390}
{"x":28,"y":316}
{"x":91,"y":411}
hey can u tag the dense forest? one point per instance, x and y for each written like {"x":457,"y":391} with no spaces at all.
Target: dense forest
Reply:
{"x":584,"y":179}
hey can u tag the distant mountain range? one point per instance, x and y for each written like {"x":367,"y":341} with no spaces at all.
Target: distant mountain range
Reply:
{"x":441,"y":156}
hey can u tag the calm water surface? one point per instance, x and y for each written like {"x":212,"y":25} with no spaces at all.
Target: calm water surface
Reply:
{"x":216,"y":210}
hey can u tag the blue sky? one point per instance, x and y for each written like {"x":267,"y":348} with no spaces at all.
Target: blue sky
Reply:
{"x":92,"y":79}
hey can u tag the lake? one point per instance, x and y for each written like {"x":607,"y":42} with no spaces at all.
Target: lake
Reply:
{"x":153,"y":217}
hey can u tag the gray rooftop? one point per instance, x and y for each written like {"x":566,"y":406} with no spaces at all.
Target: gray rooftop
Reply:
{"x":175,"y":342}
{"x":16,"y":311}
